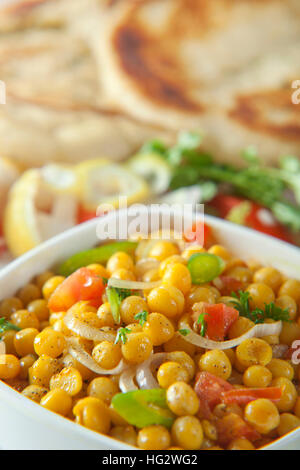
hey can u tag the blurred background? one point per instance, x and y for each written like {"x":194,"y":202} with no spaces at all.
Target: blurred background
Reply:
{"x":156,"y":100}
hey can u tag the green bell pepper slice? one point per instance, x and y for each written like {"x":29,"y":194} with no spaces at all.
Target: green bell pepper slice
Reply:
{"x":100,"y":255}
{"x":205,"y":267}
{"x":142,"y":408}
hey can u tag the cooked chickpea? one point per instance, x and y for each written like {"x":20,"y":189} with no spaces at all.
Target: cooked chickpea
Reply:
{"x":178,"y":343}
{"x":290,"y":332}
{"x":191,"y":250}
{"x":69,"y":361}
{"x":93,"y":414}
{"x":182,"y":399}
{"x":269,"y":276}
{"x":220,"y":251}
{"x":130,"y":307}
{"x":184,"y":360}
{"x":50,"y":285}
{"x":201,"y":294}
{"x":159,"y":328}
{"x":290,"y":287}
{"x":281,"y":368}
{"x":55,"y":316}
{"x":241,"y":273}
{"x":42,"y":370}
{"x":40,"y":279}
{"x":57,"y":400}
{"x":123,"y":274}
{"x":99,"y":270}
{"x":68,"y":379}
{"x":151,"y":275}
{"x":107,"y":354}
{"x":120,"y":260}
{"x":8,"y":337}
{"x":137,"y":348}
{"x":287,"y":303}
{"x":135,"y":327}
{"x":260,"y":294}
{"x":288,"y":422}
{"x":289,"y":394}
{"x":24,"y":319}
{"x":163,"y":249}
{"x":39,"y":308}
{"x":25,"y":363}
{"x":254,"y":351}
{"x":166,"y":300}
{"x":179,"y":276}
{"x":187,"y":433}
{"x":263,"y":415}
{"x":216,"y":362}
{"x":257,"y":376}
{"x":49,"y":342}
{"x":10,"y":306}
{"x":35,"y":392}
{"x":209,"y":430}
{"x":171,"y":372}
{"x":297,"y":408}
{"x":166,"y":263}
{"x":154,"y":438}
{"x":239,"y":327}
{"x":102,"y":388}
{"x":29,"y":293}
{"x":241,"y":443}
{"x":105,"y":316}
{"x":125,"y":434}
{"x":24,"y":340}
{"x":9,"y":366}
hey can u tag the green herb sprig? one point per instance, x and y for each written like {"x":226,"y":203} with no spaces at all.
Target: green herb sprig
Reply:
{"x":141,"y":317}
{"x":115,"y":296}
{"x":122,"y":335}
{"x":202,"y":323}
{"x":5,"y":325}
{"x":258,"y":315}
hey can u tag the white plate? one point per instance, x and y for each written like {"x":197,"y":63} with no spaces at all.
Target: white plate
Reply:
{"x":25,"y":424}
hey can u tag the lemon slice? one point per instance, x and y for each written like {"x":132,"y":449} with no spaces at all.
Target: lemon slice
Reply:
{"x":8,"y":175}
{"x":154,"y":169}
{"x":34,"y":213}
{"x":102,"y":182}
{"x":60,"y":178}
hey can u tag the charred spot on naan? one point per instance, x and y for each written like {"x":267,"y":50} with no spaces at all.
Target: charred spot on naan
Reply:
{"x":271,"y":112}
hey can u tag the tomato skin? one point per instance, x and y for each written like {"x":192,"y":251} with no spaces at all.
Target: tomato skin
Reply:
{"x":245,"y":396}
{"x":83,"y":284}
{"x":224,"y":203}
{"x":218,"y":320}
{"x":83,"y":215}
{"x":209,"y":389}
{"x":232,"y":427}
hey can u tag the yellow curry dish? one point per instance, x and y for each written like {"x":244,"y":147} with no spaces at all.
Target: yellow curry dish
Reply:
{"x":160,"y":344}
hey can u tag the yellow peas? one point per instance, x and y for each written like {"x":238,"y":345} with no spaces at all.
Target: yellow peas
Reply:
{"x":25,"y":363}
{"x":269,"y":276}
{"x":184,"y":360}
{"x":240,"y":443}
{"x":154,"y":438}
{"x":93,"y":414}
{"x":57,"y":400}
{"x":260,"y":294}
{"x":281,"y":368}
{"x":241,"y":273}
{"x":24,"y":340}
{"x":239,"y":327}
{"x":159,"y":328}
{"x":297,"y":408}
{"x":263,"y":415}
{"x":125,"y":434}
{"x":179,"y":276}
{"x":99,"y":270}
{"x":102,"y":388}
{"x":290,"y":287}
{"x":123,"y":274}
{"x":40,"y":279}
{"x":254,"y":351}
{"x":171,"y":372}
{"x":50,"y":285}
{"x":24,"y":319}
{"x":175,"y":259}
{"x":68,"y":379}
{"x":9,"y":366}
{"x":105,"y":316}
{"x":107,"y":354}
{"x":39,"y":308}
{"x":131,"y":306}
{"x":257,"y":376}
{"x":137,"y":348}
{"x":9,"y":306}
{"x":182,"y":399}
{"x":49,"y":342}
{"x":286,"y":302}
{"x":187,"y":433}
{"x":201,"y":294}
{"x":220,"y":251}
{"x":178,"y":343}
{"x":120,"y":260}
{"x":216,"y":362}
{"x":163,"y":249}
{"x":35,"y":392}
{"x":209,"y":430}
{"x":290,"y":332}
{"x":166,"y":300}
{"x":42,"y":370}
{"x":288,"y":396}
{"x":29,"y":293}
{"x":288,"y":422}
{"x":8,"y":338}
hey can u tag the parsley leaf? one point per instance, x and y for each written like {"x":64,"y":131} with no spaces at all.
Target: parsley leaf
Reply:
{"x":258,"y":315}
{"x":122,"y":335}
{"x":115,"y":297}
{"x":6,"y":325}
{"x":184,"y":331}
{"x":202,"y":323}
{"x":141,"y":317}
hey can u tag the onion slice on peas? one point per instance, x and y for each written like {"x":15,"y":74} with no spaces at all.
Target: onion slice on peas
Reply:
{"x":262,"y":329}
{"x":132,"y":285}
{"x":126,"y":381}
{"x":144,"y":376}
{"x":85,"y":331}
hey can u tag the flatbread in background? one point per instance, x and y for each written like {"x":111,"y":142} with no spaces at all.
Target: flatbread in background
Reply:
{"x":115,"y":72}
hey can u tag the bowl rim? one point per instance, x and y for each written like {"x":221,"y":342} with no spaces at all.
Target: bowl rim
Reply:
{"x":84,"y":229}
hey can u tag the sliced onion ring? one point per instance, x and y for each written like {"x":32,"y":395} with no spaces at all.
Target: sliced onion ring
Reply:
{"x":126,"y":381}
{"x":77,"y":351}
{"x":262,"y":329}
{"x":85,"y":331}
{"x":132,"y":285}
{"x":144,"y":376}
{"x":144,"y":265}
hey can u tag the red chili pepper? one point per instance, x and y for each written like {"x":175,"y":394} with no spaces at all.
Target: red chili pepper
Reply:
{"x":209,"y":389}
{"x":246,"y":395}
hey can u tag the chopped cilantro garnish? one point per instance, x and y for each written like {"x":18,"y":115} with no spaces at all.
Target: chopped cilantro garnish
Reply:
{"x":184,"y":331}
{"x":122,"y":335}
{"x":5,"y":325}
{"x":141,"y":317}
{"x":115,"y":297}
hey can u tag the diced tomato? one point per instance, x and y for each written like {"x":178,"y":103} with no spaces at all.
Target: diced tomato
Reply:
{"x":83,"y":214}
{"x":232,"y":427}
{"x":224,"y":203}
{"x":209,"y":389}
{"x":83,"y":284}
{"x":218,"y":318}
{"x":229,"y":284}
{"x":200,"y":233}
{"x":243,"y":396}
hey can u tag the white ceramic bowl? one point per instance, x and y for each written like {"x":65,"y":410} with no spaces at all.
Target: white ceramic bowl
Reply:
{"x":25,"y":424}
